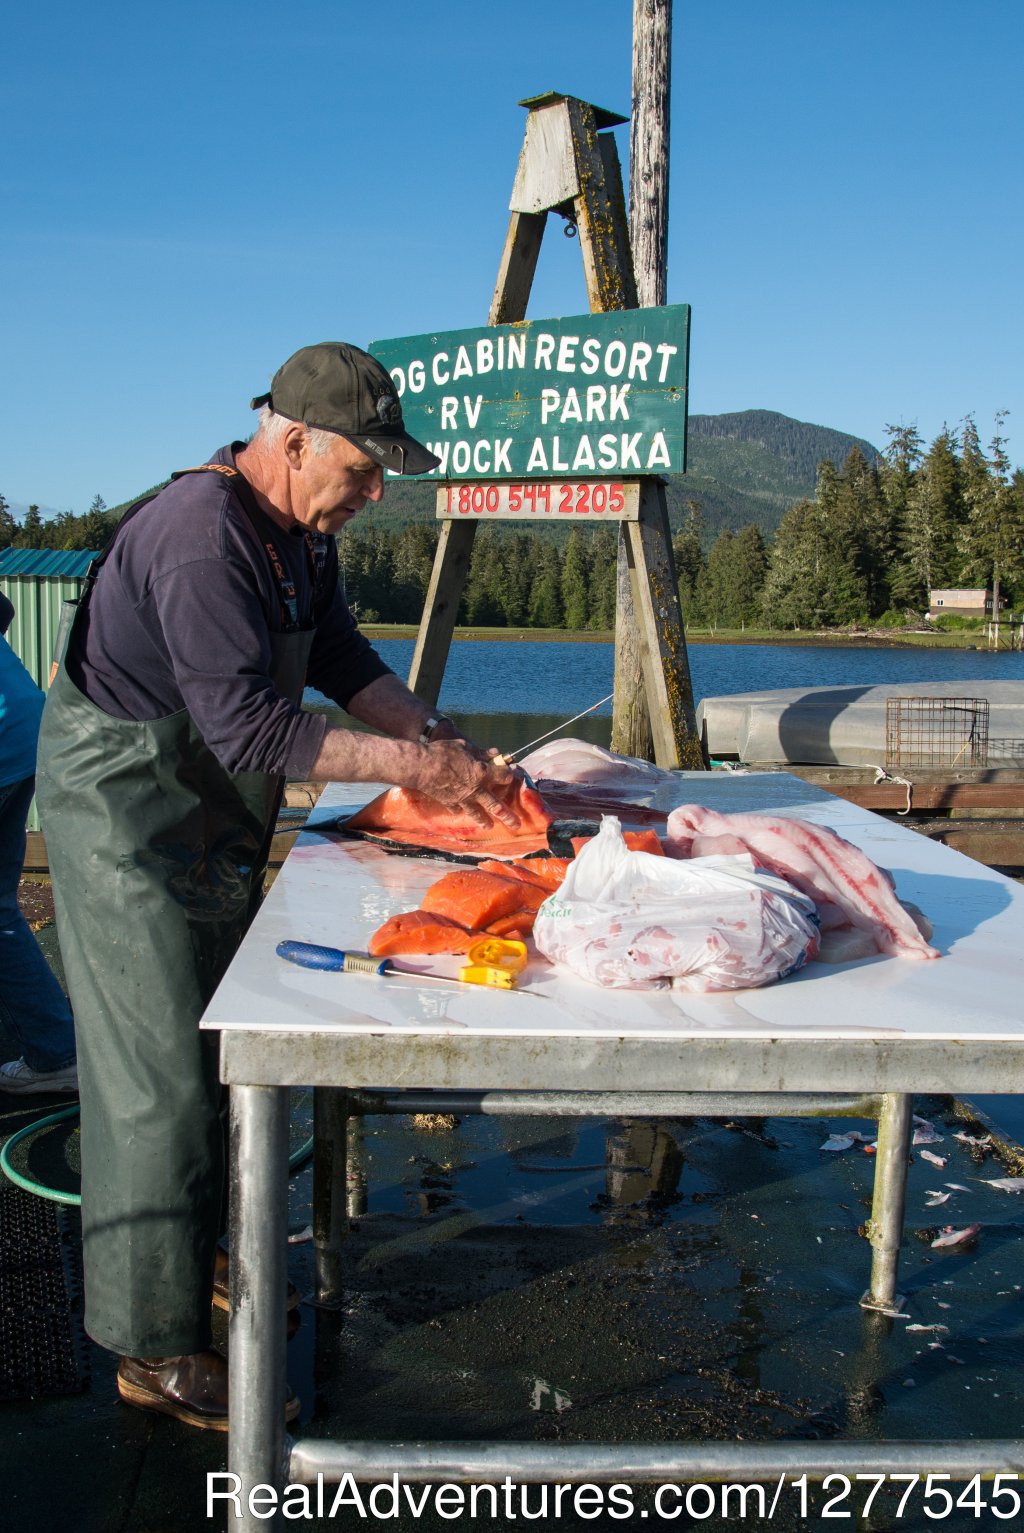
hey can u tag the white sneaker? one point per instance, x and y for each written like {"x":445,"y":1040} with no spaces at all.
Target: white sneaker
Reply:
{"x":17,"y":1076}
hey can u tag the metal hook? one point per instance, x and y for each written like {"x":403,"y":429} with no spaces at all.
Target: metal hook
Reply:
{"x":570,"y":229}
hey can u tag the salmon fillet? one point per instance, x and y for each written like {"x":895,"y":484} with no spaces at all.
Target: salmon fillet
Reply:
{"x":419,"y":931}
{"x":546,"y":872}
{"x":412,"y":819}
{"x":474,"y":899}
{"x":636,"y":840}
{"x":516,"y":927}
{"x":464,"y":904}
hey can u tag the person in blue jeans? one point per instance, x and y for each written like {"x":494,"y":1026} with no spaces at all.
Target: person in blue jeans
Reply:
{"x":33,"y":1007}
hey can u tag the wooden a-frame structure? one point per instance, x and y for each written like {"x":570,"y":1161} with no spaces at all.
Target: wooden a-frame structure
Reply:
{"x":569,"y":165}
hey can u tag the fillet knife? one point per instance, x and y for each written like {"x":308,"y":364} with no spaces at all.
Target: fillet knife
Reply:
{"x":493,"y":961}
{"x":312,"y":955}
{"x":507,"y":758}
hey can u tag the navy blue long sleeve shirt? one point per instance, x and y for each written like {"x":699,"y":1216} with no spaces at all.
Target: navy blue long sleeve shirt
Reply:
{"x":182,"y":615}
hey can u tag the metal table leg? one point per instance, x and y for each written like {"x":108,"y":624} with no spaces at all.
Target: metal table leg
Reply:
{"x":256,"y":1328}
{"x":357,"y":1175}
{"x":885,"y":1227}
{"x":330,"y":1192}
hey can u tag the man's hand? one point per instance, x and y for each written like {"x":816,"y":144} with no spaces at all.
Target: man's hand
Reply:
{"x":456,"y":772}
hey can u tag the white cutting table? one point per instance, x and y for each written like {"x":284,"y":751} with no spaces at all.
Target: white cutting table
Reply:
{"x":867,"y":1034}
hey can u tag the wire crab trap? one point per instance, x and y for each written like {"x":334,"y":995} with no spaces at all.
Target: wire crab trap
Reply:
{"x":936,"y":732}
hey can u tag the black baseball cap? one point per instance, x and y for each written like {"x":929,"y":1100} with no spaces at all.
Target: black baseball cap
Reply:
{"x":337,"y":387}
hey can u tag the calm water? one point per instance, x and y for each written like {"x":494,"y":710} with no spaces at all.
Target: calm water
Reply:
{"x":506,"y":693}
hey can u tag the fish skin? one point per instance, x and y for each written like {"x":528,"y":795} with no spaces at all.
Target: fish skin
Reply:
{"x":836,"y":1142}
{"x":409,"y":818}
{"x":952,"y":1237}
{"x":820,"y":863}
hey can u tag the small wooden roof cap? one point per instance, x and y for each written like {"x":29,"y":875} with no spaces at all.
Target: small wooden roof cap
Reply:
{"x":602,"y":119}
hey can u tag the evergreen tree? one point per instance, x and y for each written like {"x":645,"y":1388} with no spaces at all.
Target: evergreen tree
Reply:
{"x":788,"y":599}
{"x":575,"y":582}
{"x":993,"y":537}
{"x":746,"y":576}
{"x":369,"y":574}
{"x":973,"y":467}
{"x":812,"y":579}
{"x":545,"y":606}
{"x":688,"y":553}
{"x":1015,"y":580}
{"x":898,"y":476}
{"x":935,"y":509}
{"x":861,"y":519}
{"x":32,"y":532}
{"x":481,"y":602}
{"x":516,"y":553}
{"x":601,"y":595}
{"x":64,"y":531}
{"x":95,"y":526}
{"x":8,"y":526}
{"x":413,"y":561}
{"x":900,"y":460}
{"x":713,"y":596}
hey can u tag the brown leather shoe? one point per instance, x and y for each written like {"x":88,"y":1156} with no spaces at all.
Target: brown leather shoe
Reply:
{"x":220,"y":1284}
{"x":193,"y":1388}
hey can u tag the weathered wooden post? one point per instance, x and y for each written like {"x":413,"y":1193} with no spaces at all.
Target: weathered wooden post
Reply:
{"x":648,"y":234}
{"x":649,"y":149}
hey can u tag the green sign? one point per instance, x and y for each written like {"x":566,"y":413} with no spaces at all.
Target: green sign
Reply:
{"x":595,"y":394}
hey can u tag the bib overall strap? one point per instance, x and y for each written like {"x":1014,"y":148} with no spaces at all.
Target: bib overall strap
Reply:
{"x":316,"y":545}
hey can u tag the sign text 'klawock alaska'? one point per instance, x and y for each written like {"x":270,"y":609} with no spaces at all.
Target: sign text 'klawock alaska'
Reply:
{"x":594,"y":394}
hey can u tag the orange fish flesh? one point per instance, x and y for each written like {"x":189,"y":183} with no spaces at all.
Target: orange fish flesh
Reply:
{"x":411,"y":819}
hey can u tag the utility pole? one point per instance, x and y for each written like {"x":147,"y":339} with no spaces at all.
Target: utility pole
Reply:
{"x":649,"y":149}
{"x":648,"y":233}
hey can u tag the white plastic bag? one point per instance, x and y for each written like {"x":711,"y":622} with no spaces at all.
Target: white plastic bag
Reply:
{"x":634,"y":920}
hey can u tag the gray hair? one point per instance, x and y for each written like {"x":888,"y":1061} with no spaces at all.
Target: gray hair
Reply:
{"x":271,"y":427}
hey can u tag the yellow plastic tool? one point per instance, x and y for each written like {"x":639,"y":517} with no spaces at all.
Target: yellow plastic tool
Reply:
{"x":494,"y":961}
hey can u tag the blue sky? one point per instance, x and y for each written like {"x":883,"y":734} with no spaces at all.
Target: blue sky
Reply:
{"x":192,"y":192}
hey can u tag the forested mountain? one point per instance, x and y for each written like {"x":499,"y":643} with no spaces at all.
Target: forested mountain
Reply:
{"x":750,"y":466}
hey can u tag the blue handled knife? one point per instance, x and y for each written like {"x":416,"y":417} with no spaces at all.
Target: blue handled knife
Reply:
{"x":311,"y":955}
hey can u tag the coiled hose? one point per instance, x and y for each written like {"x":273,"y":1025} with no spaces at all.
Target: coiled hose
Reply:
{"x":74,"y":1199}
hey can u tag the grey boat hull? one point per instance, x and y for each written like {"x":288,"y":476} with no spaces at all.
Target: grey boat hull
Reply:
{"x":845,"y":726}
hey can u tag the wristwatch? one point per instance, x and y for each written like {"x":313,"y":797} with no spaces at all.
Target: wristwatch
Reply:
{"x":428,"y":729}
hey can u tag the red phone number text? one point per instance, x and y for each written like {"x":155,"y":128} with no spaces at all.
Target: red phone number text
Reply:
{"x":586,"y":498}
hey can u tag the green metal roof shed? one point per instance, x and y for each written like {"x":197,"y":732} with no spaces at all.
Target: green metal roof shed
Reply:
{"x":38,"y":581}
